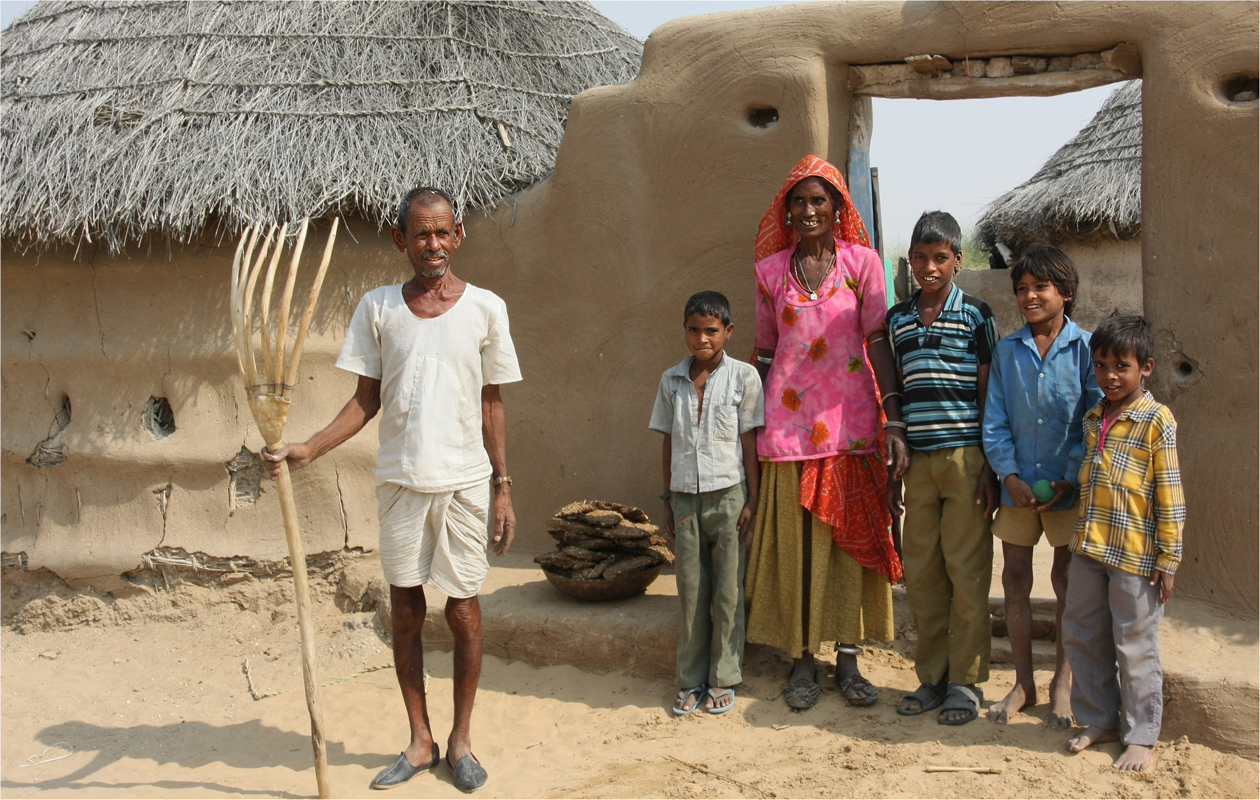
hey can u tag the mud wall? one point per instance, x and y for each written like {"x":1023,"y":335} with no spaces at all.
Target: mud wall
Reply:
{"x":1110,"y":281}
{"x":656,"y":194}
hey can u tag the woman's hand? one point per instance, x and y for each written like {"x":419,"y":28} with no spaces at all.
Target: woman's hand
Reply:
{"x":893,"y":497}
{"x":897,"y":453}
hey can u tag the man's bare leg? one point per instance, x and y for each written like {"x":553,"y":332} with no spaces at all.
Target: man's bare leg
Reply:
{"x":1017,"y":580}
{"x":1061,"y":685}
{"x":464,"y":618}
{"x":408,"y":609}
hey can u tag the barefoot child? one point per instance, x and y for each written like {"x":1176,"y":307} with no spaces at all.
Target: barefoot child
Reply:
{"x":943,"y":342}
{"x":1041,"y":383}
{"x":1125,"y":551}
{"x":709,"y":407}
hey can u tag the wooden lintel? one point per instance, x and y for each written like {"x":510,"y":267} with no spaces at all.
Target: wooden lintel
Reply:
{"x":1042,"y":84}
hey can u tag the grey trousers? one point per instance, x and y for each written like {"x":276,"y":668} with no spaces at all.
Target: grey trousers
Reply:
{"x":1111,"y":635}
{"x":709,"y":565}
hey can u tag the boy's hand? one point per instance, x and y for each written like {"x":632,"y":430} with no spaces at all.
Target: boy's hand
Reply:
{"x":667,"y":522}
{"x":1061,"y":490}
{"x":745,"y":524}
{"x":1165,"y":583}
{"x":504,"y":520}
{"x":987,"y":493}
{"x":298,"y":454}
{"x":1020,"y":491}
{"x":893,"y":497}
{"x":897,"y":453}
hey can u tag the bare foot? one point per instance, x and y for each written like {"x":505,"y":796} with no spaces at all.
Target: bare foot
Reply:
{"x":1060,"y":704}
{"x":1135,"y":758}
{"x":1016,"y":700}
{"x":1091,"y":735}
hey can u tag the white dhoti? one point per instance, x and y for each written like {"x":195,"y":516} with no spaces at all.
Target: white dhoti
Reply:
{"x":435,"y":539}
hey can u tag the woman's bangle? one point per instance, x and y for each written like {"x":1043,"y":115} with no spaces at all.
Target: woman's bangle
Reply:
{"x":887,"y":396}
{"x":764,"y":359}
{"x":895,"y":423}
{"x":878,"y":335}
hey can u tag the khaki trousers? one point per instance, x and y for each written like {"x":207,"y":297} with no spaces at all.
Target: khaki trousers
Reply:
{"x":709,"y":565}
{"x":948,"y":563}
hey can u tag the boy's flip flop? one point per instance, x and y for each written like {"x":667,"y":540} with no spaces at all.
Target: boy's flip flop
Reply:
{"x":961,"y":697}
{"x":683,"y":696}
{"x":928,"y":696}
{"x":716,"y":694}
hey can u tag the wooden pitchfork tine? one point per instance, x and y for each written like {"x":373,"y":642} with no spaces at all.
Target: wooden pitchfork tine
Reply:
{"x":270,"y":396}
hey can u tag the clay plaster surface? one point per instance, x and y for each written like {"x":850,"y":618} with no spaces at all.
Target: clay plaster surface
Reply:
{"x":656,"y":194}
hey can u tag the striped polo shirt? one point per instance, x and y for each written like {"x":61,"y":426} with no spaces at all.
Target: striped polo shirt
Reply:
{"x":939,"y":366}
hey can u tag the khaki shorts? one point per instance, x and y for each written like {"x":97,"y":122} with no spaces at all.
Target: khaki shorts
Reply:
{"x":435,"y":539}
{"x":1023,"y":526}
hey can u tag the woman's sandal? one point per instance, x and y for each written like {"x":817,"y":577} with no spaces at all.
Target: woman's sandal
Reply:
{"x":801,"y":693}
{"x":857,"y":690}
{"x":928,"y":696}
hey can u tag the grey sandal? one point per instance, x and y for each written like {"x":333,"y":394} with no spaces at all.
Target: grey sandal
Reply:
{"x":928,"y":696}
{"x":962,"y":697}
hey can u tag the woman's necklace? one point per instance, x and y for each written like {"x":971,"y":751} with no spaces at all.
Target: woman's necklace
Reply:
{"x":798,"y":272}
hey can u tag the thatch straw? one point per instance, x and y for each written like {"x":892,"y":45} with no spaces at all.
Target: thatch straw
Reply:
{"x":122,"y":119}
{"x":1092,"y":187}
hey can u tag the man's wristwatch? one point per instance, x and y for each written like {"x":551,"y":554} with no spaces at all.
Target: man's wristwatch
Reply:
{"x":499,"y":481}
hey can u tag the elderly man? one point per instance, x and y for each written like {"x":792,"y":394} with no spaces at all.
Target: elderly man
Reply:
{"x":431,"y":355}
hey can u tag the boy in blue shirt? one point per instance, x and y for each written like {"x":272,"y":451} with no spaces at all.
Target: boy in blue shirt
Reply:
{"x":709,"y":407}
{"x":1041,"y":383}
{"x":943,"y":342}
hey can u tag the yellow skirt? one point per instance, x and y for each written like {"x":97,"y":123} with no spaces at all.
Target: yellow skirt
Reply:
{"x":846,"y":602}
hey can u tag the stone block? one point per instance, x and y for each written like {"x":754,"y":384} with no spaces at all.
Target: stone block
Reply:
{"x":1027,"y":65}
{"x":1086,"y":61}
{"x":999,"y":68}
{"x":970,"y":68}
{"x":1059,"y":64}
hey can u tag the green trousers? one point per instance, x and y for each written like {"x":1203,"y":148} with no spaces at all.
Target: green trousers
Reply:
{"x":948,"y":560}
{"x":709,"y":564}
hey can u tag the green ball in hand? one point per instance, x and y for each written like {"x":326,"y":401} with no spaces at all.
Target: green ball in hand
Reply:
{"x":1043,"y":491}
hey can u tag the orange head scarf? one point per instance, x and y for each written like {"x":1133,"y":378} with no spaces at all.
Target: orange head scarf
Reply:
{"x":775,"y":234}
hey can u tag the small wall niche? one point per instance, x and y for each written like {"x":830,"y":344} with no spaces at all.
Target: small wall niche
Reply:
{"x":1240,"y":89}
{"x":159,"y":419}
{"x":763,"y":117}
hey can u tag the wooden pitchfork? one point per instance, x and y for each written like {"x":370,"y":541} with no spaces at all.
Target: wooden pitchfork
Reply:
{"x":270,"y":396}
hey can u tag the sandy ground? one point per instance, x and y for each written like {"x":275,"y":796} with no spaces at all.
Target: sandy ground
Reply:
{"x":161,"y":709}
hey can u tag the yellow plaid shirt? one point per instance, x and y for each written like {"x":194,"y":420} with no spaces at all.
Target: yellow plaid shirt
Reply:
{"x":1132,"y":506}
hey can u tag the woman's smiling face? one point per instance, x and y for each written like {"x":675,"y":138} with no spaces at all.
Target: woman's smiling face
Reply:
{"x":812,"y":208}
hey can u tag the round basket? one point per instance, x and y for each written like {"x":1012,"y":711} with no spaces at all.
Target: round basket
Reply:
{"x":616,"y":589}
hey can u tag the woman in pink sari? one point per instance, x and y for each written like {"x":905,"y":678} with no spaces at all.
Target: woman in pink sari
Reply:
{"x":823,"y":562}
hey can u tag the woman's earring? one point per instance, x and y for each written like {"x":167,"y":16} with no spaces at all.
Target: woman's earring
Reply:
{"x":788,"y":217}
{"x":837,"y":217}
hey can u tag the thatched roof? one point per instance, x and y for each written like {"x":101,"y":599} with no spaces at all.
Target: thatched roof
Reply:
{"x":1091,"y":187}
{"x":127,"y":119}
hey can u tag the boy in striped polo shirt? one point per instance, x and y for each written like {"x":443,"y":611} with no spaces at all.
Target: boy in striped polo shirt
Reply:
{"x":943,"y":340}
{"x":1126,"y":549}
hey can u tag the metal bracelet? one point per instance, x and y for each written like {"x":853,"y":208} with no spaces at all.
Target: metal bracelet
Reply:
{"x":895,"y":423}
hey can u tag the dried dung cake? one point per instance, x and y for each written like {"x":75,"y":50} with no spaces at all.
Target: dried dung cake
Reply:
{"x":600,"y":540}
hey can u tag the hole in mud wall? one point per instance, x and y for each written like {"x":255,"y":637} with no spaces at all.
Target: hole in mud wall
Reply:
{"x":50,"y":452}
{"x":763,"y":118}
{"x":1241,"y":89}
{"x":1185,"y":369}
{"x":245,"y":474}
{"x":159,"y":419}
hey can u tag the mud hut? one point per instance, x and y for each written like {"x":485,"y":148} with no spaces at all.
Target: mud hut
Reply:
{"x":1086,"y":200}
{"x":138,"y":140}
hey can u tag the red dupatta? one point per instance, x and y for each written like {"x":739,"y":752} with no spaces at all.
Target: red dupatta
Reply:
{"x":845,"y":491}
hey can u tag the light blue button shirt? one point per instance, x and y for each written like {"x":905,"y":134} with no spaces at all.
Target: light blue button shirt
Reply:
{"x":706,"y":455}
{"x":1033,"y":414}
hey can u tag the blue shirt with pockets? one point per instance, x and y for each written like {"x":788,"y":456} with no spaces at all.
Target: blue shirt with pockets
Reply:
{"x":1035,"y":408}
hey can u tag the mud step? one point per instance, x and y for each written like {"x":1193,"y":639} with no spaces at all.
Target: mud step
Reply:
{"x":1042,"y":653}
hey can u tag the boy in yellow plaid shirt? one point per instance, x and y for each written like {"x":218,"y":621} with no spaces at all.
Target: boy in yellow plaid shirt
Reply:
{"x":1125,"y":551}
